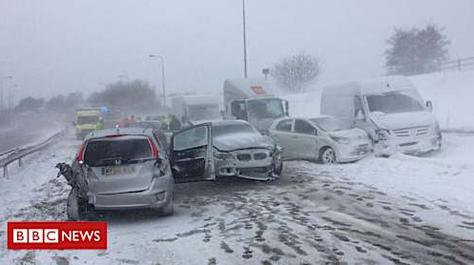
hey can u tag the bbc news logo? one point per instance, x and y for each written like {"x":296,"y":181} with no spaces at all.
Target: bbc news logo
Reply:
{"x":57,"y":235}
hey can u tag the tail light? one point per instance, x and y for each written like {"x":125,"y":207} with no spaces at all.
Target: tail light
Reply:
{"x":80,"y":154}
{"x":154,"y":150}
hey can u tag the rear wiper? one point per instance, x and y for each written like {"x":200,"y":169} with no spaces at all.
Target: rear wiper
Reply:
{"x":109,"y":161}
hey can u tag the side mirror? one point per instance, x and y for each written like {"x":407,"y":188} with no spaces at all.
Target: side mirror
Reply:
{"x":315,"y":132}
{"x":429,"y":105}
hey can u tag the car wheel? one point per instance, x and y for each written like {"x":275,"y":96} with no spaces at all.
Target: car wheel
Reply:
{"x":328,"y":156}
{"x":277,"y":166}
{"x":168,"y":209}
{"x":74,"y":211}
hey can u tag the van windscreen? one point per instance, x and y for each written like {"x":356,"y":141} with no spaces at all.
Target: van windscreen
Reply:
{"x":395,"y":102}
{"x":107,"y":151}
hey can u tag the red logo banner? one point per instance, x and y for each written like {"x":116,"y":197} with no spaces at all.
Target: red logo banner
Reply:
{"x":57,"y":235}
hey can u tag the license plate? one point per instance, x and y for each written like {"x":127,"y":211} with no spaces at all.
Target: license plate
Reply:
{"x":109,"y":171}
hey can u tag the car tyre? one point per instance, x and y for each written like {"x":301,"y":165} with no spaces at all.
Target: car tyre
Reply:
{"x":278,"y":167}
{"x":327,"y":156}
{"x":75,"y":208}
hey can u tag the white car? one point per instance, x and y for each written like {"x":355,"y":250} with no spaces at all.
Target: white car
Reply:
{"x":325,"y":139}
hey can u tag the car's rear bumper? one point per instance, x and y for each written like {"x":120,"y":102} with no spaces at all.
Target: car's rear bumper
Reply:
{"x":156,"y":196}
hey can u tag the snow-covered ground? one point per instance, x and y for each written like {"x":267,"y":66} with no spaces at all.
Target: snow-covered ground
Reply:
{"x":452,"y":94}
{"x":28,"y":129}
{"x":375,"y":211}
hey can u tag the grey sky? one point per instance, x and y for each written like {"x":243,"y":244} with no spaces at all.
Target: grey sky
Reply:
{"x":53,"y":46}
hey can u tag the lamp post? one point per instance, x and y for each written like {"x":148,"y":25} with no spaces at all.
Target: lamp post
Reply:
{"x":162,"y":59}
{"x":244,"y":37}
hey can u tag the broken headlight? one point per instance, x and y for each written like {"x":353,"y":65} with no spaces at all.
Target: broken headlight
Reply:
{"x":383,"y":135}
{"x":341,"y":140}
{"x":223,"y":156}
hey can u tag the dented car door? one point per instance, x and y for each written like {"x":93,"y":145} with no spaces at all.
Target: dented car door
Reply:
{"x":191,"y":154}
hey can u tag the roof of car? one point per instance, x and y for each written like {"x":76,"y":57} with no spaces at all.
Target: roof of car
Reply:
{"x":369,"y":86}
{"x":228,"y":122}
{"x":120,"y":131}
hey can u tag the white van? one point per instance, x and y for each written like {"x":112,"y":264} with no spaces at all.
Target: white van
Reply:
{"x":389,"y":109}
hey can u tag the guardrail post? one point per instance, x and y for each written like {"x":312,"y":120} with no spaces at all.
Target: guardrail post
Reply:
{"x":20,"y":162}
{"x":459,"y":65}
{"x":5,"y":171}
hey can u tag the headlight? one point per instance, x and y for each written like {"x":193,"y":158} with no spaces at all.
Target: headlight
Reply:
{"x":223,"y":156}
{"x":383,"y":135}
{"x":341,"y":140}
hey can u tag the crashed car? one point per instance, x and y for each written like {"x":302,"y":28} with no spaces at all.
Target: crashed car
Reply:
{"x":224,"y":149}
{"x":325,"y":139}
{"x":117,"y":169}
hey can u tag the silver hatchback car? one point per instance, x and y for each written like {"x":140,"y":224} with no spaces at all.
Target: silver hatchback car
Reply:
{"x":325,"y":139}
{"x":121,"y":169}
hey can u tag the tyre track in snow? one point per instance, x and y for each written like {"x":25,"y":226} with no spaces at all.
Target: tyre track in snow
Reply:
{"x":341,"y":220}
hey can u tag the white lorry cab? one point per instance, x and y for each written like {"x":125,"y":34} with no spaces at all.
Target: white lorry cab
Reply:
{"x":389,"y":109}
{"x":253,"y":100}
{"x":193,"y":109}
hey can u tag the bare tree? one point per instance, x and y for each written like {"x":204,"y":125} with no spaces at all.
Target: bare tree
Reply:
{"x":296,"y":72}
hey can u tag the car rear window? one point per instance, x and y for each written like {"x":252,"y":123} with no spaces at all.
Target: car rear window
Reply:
{"x":109,"y":151}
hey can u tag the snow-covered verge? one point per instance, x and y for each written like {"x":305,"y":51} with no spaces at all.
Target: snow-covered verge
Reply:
{"x":28,"y":129}
{"x":452,"y":94}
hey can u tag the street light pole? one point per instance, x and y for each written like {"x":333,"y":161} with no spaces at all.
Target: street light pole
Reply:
{"x":245,"y":37}
{"x":162,"y":59}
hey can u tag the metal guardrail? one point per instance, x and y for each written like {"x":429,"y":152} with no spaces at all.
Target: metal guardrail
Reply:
{"x":458,"y":64}
{"x":8,"y":152}
{"x":17,"y":154}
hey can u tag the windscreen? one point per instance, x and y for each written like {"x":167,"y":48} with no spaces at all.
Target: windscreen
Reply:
{"x":229,"y":129}
{"x":395,"y":102}
{"x":331,"y":124}
{"x":265,"y":109}
{"x":87,"y":119}
{"x":107,"y":151}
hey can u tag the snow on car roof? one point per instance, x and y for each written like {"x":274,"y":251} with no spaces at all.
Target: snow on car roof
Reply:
{"x":370,"y":86}
{"x":224,"y":122}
